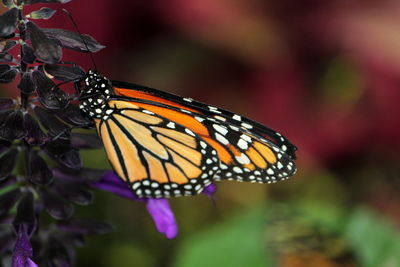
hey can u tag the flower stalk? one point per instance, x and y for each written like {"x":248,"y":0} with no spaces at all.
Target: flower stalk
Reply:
{"x":41,"y":124}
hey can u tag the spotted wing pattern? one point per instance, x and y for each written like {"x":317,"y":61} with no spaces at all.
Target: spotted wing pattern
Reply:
{"x":164,"y":145}
{"x":234,"y":120}
{"x":155,"y":156}
{"x":243,"y":156}
{"x":248,"y":151}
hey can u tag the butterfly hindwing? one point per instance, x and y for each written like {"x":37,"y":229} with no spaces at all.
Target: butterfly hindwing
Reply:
{"x":155,"y":156}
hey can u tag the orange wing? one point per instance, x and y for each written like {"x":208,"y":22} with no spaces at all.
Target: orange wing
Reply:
{"x":157,"y":157}
{"x":164,"y":145}
{"x":242,"y":154}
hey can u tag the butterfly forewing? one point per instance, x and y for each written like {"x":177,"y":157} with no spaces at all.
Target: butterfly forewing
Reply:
{"x":243,"y":156}
{"x":233,"y":119}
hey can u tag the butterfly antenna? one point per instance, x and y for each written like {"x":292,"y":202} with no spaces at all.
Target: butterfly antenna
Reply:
{"x":80,"y":34}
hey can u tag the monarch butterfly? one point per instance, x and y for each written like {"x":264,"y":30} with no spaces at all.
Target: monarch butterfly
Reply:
{"x":163,"y":145}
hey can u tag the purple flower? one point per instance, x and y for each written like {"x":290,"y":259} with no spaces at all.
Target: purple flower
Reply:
{"x":209,"y":190}
{"x":112,"y":183}
{"x":163,"y":217}
{"x":22,"y":250}
{"x":159,"y":209}
{"x":39,"y":126}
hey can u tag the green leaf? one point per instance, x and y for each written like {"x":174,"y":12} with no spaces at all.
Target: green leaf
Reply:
{"x":375,"y":241}
{"x":235,"y":242}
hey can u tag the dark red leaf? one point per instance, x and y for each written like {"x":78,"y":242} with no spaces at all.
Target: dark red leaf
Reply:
{"x":5,"y":57}
{"x":26,"y":84}
{"x":65,"y":73}
{"x":30,"y":2}
{"x":8,"y":200}
{"x":37,"y":170}
{"x":73,"y":40}
{"x":72,"y":115}
{"x":49,"y":94}
{"x":7,"y":45}
{"x":7,"y":73}
{"x":54,"y":126}
{"x":35,"y":135}
{"x":57,"y":207}
{"x":75,"y":192}
{"x":63,"y":153}
{"x":28,"y":54}
{"x":12,"y":127}
{"x":8,"y":22}
{"x":7,"y":163}
{"x":44,"y":48}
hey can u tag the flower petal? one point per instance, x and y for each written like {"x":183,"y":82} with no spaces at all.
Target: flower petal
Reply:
{"x":112,"y":183}
{"x":22,"y":250}
{"x":209,"y":190}
{"x":25,"y":214}
{"x":163,"y":217}
{"x":8,"y":200}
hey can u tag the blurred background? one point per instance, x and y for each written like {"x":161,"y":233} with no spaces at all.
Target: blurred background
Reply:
{"x":326,"y":74}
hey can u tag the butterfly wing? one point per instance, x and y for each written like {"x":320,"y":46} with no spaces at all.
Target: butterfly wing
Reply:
{"x":234,"y":120}
{"x":230,"y":148}
{"x":155,"y":156}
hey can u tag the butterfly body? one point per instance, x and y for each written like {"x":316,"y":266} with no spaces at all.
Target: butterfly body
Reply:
{"x":164,"y":145}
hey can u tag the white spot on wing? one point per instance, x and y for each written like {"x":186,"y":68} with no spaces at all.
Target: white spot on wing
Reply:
{"x":236,"y":117}
{"x":242,"y":144}
{"x":220,"y":129}
{"x":246,"y":125}
{"x":221,"y":139}
{"x":242,"y":159}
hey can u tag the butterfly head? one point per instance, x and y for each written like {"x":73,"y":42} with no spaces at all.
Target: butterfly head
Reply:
{"x":96,"y":83}
{"x":93,"y":98}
